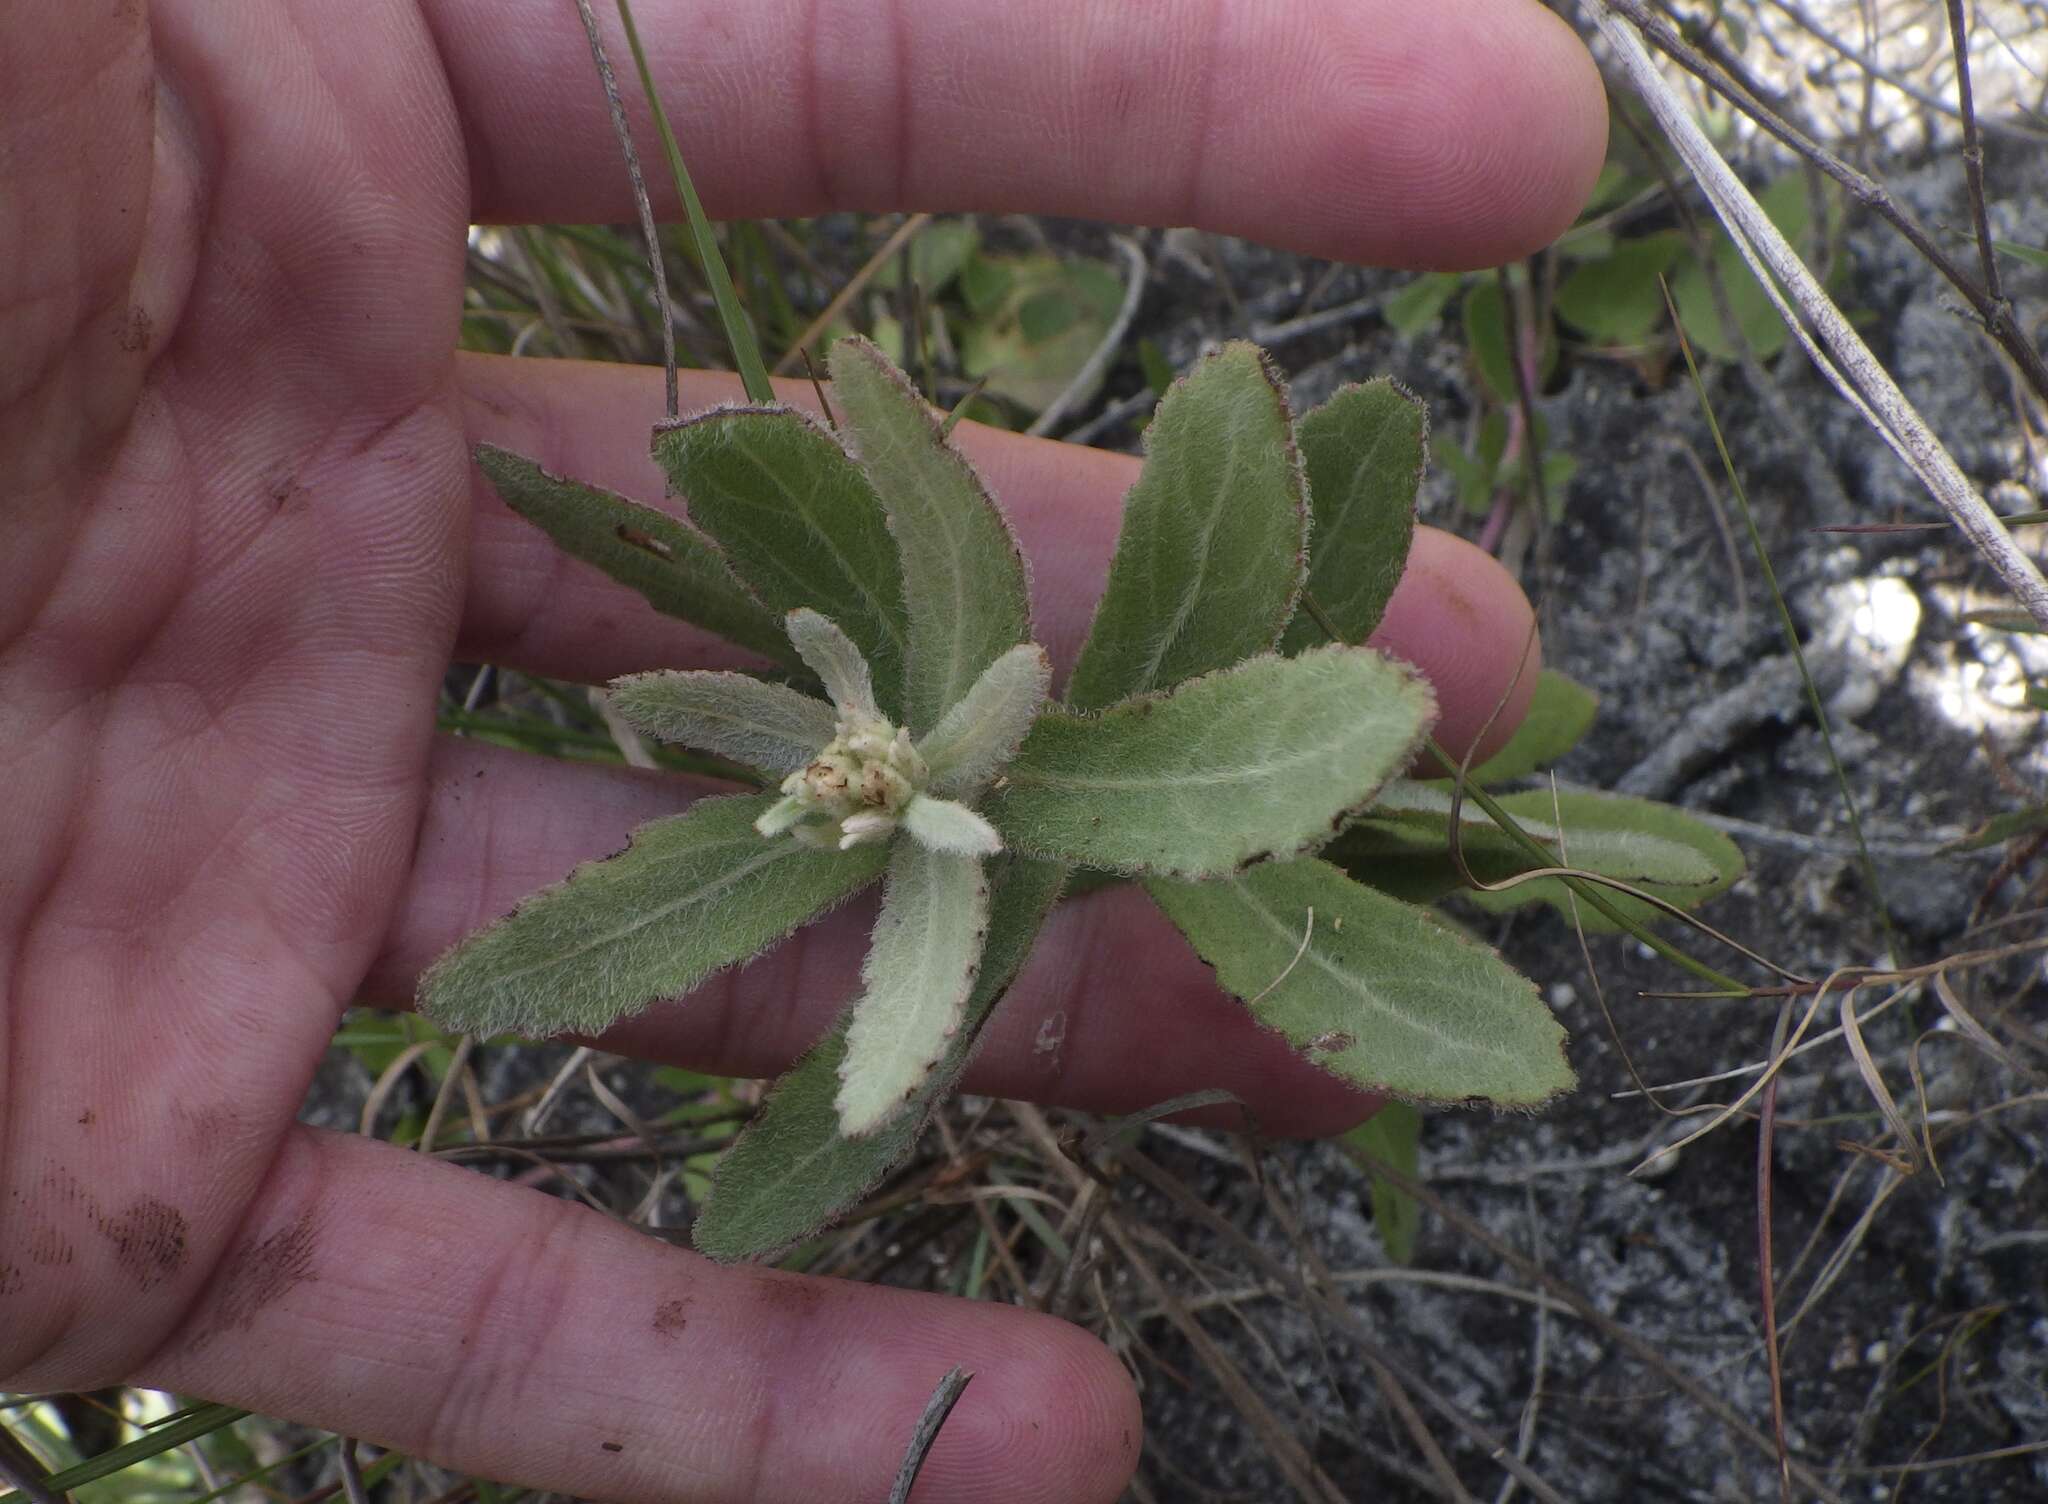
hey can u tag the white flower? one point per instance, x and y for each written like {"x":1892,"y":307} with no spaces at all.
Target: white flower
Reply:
{"x":870,"y":779}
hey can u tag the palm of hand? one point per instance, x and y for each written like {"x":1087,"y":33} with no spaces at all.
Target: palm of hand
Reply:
{"x":241,"y":557}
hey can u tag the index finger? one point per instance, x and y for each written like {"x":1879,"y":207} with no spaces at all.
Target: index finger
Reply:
{"x":1383,"y":131}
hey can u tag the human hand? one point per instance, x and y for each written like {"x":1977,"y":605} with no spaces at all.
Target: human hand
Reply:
{"x":245,"y":539}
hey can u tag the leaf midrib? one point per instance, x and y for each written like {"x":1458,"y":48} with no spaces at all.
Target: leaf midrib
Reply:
{"x":877,"y":609}
{"x":773,"y":851}
{"x":1204,"y":542}
{"x":1313,"y":956}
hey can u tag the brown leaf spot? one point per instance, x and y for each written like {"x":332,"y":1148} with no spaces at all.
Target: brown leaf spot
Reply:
{"x":645,"y":542}
{"x":137,"y":330}
{"x":263,"y":1273}
{"x":671,"y":1316}
{"x":148,"y":1239}
{"x":87,"y":1118}
{"x":11,"y":1279}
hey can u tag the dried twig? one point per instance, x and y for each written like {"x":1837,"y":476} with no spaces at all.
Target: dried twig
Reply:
{"x":645,"y":208}
{"x":20,"y":1470}
{"x":1997,"y":318}
{"x":1973,"y":154}
{"x":1853,"y":370}
{"x":936,"y":1409}
{"x":1136,"y":272}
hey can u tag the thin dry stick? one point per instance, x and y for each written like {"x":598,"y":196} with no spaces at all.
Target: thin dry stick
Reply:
{"x":1136,"y":273}
{"x":1539,"y":1358}
{"x":352,"y":1473}
{"x":936,"y":1409}
{"x":1289,"y":1455}
{"x":1866,"y":190}
{"x":1766,"y":1136}
{"x":655,"y":265}
{"x":1973,"y":152}
{"x":1390,"y":1387}
{"x":1860,"y":378}
{"x":458,"y":1068}
{"x":1639,"y":1347}
{"x":1342,"y":1314}
{"x":21,"y":1471}
{"x":906,"y":232}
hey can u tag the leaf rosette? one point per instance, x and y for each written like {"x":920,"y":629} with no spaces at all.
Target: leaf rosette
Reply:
{"x":1209,"y":744}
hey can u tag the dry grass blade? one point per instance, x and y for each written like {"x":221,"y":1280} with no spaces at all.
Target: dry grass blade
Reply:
{"x":20,"y":1470}
{"x":457,"y":1073}
{"x":1766,"y":1135}
{"x":1853,"y":370}
{"x":936,"y":1409}
{"x":1971,"y":1029}
{"x":799,"y":348}
{"x":656,"y":266}
{"x":1873,"y":1082}
{"x":1207,"y":1216}
{"x":387,"y":1082}
{"x":1640,"y":1348}
{"x":1308,"y":1481}
{"x":1727,"y":1112}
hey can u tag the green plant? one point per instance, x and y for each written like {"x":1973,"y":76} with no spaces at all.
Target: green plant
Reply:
{"x":1210,"y":742}
{"x":1597,"y":293}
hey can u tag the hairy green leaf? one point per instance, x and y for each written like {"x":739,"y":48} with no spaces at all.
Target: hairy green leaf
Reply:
{"x":1560,"y":712}
{"x":983,"y":731}
{"x":1371,"y":989}
{"x":1362,"y":451}
{"x":1257,"y":759}
{"x":691,"y":895}
{"x":793,"y":1171}
{"x":799,"y":521}
{"x":769,"y":727}
{"x":1401,"y":846}
{"x":1213,"y":548}
{"x":1394,"y":1135}
{"x":917,"y":977}
{"x":963,"y":576}
{"x":943,"y":825}
{"x":659,"y":556}
{"x":832,"y":656}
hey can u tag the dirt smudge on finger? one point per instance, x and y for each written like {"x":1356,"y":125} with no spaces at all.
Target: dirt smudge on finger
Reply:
{"x":260,"y":1274}
{"x":671,"y":1317}
{"x":149,"y":1238}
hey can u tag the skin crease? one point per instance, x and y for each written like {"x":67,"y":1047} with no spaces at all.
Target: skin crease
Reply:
{"x":245,"y":540}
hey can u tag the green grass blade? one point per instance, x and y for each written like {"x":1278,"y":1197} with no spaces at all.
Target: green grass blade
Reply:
{"x":739,"y":330}
{"x":202,"y":1421}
